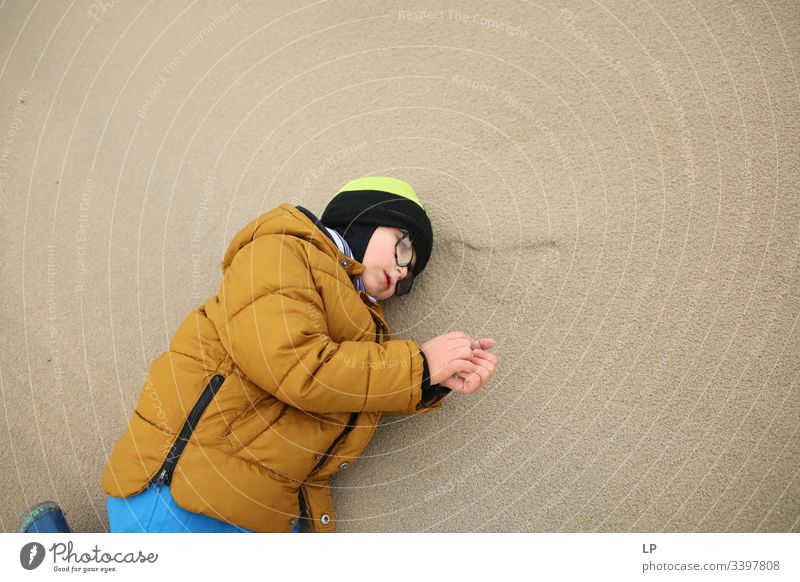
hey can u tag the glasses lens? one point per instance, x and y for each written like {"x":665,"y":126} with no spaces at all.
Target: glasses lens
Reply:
{"x":404,"y":251}
{"x":404,"y":284}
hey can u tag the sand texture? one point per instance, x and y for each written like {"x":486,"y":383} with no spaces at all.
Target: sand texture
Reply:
{"x":614,"y":192}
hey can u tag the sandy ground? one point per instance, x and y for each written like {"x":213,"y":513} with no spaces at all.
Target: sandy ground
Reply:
{"x":614,"y":190}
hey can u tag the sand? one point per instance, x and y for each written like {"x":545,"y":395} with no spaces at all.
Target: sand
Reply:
{"x":614,"y":192}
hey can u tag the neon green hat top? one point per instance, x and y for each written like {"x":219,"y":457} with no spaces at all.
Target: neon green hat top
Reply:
{"x":383,"y":184}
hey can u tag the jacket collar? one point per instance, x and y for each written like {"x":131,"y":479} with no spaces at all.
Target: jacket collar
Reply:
{"x":355,"y":268}
{"x":316,"y":221}
{"x":287,"y":219}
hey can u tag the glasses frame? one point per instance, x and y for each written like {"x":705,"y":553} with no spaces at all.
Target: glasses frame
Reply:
{"x":407,"y":281}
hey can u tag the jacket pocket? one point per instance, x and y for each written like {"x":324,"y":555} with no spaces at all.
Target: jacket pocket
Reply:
{"x":245,"y":413}
{"x":293,"y":444}
{"x":253,"y":421}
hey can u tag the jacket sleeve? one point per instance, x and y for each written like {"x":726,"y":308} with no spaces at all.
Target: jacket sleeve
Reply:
{"x":277,"y":334}
{"x":433,"y":395}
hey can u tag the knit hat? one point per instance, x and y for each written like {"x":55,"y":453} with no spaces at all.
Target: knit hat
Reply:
{"x":382,"y":201}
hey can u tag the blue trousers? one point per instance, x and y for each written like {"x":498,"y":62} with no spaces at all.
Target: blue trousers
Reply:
{"x":154,"y":510}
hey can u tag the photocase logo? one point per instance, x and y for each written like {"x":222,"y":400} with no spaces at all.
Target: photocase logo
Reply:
{"x":31,"y":555}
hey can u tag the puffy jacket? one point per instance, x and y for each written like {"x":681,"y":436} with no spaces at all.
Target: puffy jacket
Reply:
{"x":271,"y":386}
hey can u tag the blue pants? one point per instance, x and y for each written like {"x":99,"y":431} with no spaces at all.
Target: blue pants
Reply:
{"x":154,"y":510}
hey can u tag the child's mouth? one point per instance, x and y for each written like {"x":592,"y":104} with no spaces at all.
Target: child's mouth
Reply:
{"x":388,"y":280}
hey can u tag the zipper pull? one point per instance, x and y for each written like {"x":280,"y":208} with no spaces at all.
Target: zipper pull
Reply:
{"x":162,"y":476}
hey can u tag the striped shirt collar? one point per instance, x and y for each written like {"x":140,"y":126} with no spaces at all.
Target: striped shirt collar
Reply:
{"x":345,"y":248}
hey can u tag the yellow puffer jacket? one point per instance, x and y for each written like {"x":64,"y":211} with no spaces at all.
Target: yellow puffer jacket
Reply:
{"x":271,"y":386}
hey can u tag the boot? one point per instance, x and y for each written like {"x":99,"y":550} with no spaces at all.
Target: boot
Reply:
{"x":44,"y":517}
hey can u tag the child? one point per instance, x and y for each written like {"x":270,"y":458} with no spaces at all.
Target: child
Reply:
{"x":279,"y":381}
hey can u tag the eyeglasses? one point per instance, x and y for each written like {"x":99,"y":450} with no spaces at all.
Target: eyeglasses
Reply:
{"x":403,"y":253}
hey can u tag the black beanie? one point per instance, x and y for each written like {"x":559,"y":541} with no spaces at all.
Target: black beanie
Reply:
{"x":380,"y":201}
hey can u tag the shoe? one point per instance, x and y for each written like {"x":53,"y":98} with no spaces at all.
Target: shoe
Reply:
{"x":44,"y":517}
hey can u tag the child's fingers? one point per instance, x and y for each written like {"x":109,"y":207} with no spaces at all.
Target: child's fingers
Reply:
{"x":470,"y":375}
{"x":486,"y":371}
{"x":454,"y":382}
{"x":465,"y":383}
{"x":463,"y":366}
{"x":474,"y":381}
{"x":483,"y":343}
{"x":483,"y":355}
{"x":460,"y":347}
{"x":470,"y":382}
{"x":482,"y":364}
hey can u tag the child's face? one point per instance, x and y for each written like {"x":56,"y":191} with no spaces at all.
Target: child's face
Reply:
{"x":380,"y":263}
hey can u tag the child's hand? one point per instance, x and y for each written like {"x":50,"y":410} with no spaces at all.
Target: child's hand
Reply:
{"x":469,"y":382}
{"x":459,"y":363}
{"x":448,"y":355}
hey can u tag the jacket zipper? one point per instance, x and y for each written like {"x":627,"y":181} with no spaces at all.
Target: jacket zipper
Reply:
{"x":168,"y":467}
{"x":378,"y":330}
{"x":350,"y":425}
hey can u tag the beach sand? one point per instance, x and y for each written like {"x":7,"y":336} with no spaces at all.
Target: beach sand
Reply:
{"x":614,"y":192}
